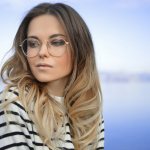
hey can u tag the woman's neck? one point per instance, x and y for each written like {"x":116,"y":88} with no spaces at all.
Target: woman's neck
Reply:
{"x":57,"y":87}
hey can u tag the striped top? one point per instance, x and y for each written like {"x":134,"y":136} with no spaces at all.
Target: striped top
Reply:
{"x":24,"y":136}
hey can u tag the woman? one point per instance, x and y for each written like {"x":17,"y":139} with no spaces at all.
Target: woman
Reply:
{"x":53,"y":97}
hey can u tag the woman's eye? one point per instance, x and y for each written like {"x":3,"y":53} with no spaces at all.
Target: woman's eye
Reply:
{"x":33,"y":44}
{"x":57,"y":42}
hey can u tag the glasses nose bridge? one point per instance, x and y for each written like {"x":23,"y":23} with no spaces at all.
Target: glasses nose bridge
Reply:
{"x":46,"y":42}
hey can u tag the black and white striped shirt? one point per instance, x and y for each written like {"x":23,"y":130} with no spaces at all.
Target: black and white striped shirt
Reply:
{"x":24,"y":136}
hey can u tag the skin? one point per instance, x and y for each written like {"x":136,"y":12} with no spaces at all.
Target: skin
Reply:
{"x":57,"y":75}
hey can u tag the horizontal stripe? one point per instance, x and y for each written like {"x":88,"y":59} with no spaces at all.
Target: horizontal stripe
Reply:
{"x":102,"y":139}
{"x":64,"y":148}
{"x":68,"y":133}
{"x":100,"y":148}
{"x":101,"y":131}
{"x":67,"y":124}
{"x":16,"y":145}
{"x":42,"y":144}
{"x":11,"y":123}
{"x":68,"y":141}
{"x":13,"y":134}
{"x":16,"y":114}
{"x":17,"y":104}
{"x":101,"y":123}
{"x":15,"y":92}
{"x":22,"y":125}
{"x":38,"y":144}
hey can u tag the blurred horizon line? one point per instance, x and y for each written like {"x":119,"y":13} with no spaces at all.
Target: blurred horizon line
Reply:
{"x":106,"y":76}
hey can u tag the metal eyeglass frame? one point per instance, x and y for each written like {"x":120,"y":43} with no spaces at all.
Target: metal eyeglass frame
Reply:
{"x":41,"y":46}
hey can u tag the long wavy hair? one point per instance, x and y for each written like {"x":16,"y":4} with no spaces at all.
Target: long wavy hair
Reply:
{"x":82,"y":95}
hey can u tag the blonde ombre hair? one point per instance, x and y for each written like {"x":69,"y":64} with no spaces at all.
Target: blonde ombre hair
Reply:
{"x":83,"y":96}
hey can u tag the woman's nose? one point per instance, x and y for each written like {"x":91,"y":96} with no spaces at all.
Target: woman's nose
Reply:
{"x":44,"y":50}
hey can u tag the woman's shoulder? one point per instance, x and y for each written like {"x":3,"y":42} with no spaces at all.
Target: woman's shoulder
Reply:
{"x":10,"y":94}
{"x":15,"y":109}
{"x":12,"y":90}
{"x":20,"y":129}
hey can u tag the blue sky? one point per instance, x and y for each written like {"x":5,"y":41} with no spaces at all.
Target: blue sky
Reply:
{"x":120,"y":30}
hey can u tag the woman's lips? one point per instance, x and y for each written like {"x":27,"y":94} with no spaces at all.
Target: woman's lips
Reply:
{"x":43,"y":66}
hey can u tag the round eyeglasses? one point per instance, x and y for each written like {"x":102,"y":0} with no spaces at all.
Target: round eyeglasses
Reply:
{"x":56,"y":47}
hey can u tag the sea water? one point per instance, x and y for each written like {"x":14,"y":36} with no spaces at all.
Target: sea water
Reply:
{"x":126,"y":112}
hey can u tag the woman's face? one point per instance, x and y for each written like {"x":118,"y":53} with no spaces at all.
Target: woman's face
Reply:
{"x":45,"y":67}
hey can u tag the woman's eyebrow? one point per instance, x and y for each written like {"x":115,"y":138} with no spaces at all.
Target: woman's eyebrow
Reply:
{"x":52,"y":36}
{"x":35,"y":37}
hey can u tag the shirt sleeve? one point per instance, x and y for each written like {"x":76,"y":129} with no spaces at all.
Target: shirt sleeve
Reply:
{"x":18,"y":135}
{"x":100,"y":145}
{"x":101,"y":136}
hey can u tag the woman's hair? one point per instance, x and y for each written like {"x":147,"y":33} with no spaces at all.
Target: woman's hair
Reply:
{"x":83,"y":98}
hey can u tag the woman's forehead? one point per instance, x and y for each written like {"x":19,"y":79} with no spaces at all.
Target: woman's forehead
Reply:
{"x":45,"y":26}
